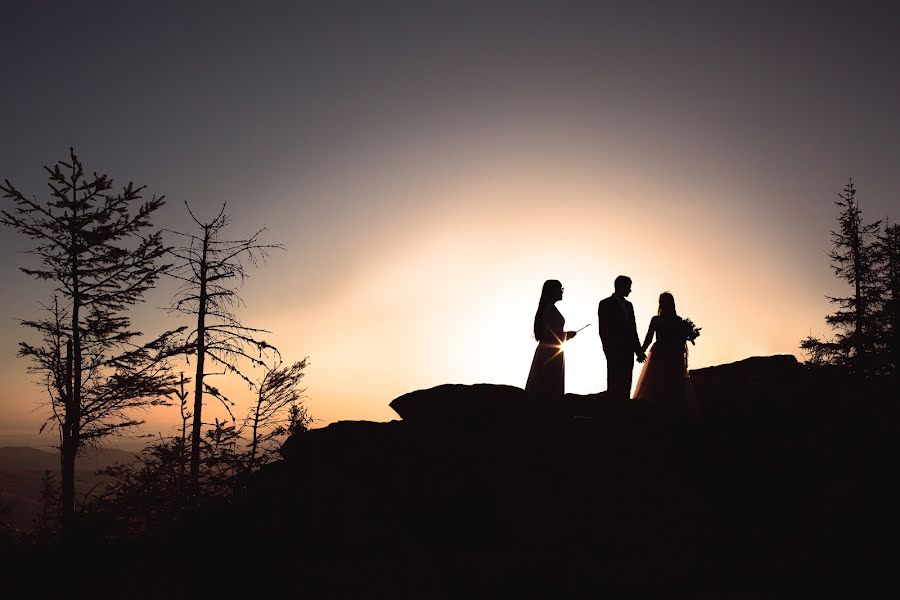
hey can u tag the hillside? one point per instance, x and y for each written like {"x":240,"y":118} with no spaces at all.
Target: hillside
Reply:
{"x":787,"y":482}
{"x":789,"y":477}
{"x":22,"y":468}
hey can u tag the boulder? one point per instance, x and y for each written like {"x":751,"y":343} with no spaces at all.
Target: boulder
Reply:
{"x":748,"y":387}
{"x":454,"y":402}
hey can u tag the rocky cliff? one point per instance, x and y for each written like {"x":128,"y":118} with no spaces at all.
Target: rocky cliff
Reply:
{"x":788,"y":478}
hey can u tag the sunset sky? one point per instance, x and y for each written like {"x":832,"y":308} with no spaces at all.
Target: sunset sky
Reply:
{"x":428,"y":166}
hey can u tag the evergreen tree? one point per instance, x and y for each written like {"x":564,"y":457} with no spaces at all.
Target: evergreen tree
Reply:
{"x":888,"y":314}
{"x":278,"y":410}
{"x":101,"y":259}
{"x":46,"y":522}
{"x":853,"y":261}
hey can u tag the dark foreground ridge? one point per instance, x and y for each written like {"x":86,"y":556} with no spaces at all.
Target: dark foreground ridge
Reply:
{"x":789,"y":481}
{"x":789,"y":478}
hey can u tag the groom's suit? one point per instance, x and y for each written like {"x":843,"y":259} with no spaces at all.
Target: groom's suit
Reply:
{"x":618,"y":332}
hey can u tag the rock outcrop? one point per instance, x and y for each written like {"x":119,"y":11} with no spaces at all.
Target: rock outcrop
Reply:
{"x":453,"y":402}
{"x":785,"y":480}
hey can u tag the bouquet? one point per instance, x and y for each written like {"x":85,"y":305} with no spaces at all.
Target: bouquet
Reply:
{"x":691,"y":331}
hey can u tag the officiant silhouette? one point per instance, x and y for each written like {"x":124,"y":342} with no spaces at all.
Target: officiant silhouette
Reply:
{"x":547,"y":376}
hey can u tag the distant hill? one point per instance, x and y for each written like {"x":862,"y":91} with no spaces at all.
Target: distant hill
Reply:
{"x":22,"y":467}
{"x":25,"y":457}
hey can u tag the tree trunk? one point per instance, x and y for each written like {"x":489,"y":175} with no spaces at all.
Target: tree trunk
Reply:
{"x":255,"y":439}
{"x":71,"y":435}
{"x":894,"y":316}
{"x":198,"y":378}
{"x":68,"y":450}
{"x":894,"y":301}
{"x":182,"y":463}
{"x":859,"y":301}
{"x":67,"y":489}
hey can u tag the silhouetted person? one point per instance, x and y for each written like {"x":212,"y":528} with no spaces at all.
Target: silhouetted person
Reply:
{"x":547,"y":378}
{"x":618,"y":333}
{"x":664,"y":380}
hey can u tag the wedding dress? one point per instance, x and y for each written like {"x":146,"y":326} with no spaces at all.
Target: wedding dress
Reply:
{"x":547,"y":377}
{"x":664,"y":379}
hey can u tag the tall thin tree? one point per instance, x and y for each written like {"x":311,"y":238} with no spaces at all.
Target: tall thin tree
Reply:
{"x":888,"y":261}
{"x":278,"y":409}
{"x":852,"y":260}
{"x":211,"y":269}
{"x":100,"y":259}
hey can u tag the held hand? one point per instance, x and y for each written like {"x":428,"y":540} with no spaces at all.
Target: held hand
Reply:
{"x":571,"y":334}
{"x":641,"y":357}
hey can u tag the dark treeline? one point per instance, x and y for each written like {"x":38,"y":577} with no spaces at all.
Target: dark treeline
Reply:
{"x":100,"y":252}
{"x":866,"y":322}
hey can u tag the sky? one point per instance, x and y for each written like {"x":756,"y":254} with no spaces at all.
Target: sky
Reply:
{"x":428,"y":165}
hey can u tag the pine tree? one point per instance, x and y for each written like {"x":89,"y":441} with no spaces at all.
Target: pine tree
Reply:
{"x":47,"y":521}
{"x":853,"y":261}
{"x":278,"y":409}
{"x":888,"y":279}
{"x":101,"y":260}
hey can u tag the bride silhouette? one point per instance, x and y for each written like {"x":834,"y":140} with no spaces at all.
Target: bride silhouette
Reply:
{"x":664,"y":380}
{"x":547,"y":378}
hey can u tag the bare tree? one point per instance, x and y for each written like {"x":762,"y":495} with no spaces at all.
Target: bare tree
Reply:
{"x":278,"y":409}
{"x":211,"y":269}
{"x":96,"y":254}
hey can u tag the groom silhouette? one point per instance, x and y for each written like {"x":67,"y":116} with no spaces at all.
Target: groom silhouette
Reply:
{"x":618,"y":332}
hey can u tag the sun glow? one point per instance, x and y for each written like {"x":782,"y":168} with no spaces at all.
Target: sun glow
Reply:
{"x":453,"y":300}
{"x":447,"y":294}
